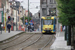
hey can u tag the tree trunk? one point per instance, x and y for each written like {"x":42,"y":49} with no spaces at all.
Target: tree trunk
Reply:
{"x":72,"y":36}
{"x":68,"y":35}
{"x":65,"y":32}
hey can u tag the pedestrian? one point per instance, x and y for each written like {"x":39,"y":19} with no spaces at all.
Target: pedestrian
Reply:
{"x":32,"y":26}
{"x":0,"y":27}
{"x":29,"y":27}
{"x":8,"y":27}
{"x":64,"y":28}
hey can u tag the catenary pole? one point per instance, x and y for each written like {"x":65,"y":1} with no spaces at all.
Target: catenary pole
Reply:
{"x":28,"y":12}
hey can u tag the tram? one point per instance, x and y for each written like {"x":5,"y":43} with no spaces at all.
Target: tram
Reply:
{"x":48,"y":24}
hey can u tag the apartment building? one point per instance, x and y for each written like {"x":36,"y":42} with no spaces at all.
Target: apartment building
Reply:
{"x":48,"y":7}
{"x":2,"y":5}
{"x":13,"y":9}
{"x":26,"y":13}
{"x":37,"y":15}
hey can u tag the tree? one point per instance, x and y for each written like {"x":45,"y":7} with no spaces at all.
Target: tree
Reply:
{"x":66,"y":13}
{"x":25,"y":18}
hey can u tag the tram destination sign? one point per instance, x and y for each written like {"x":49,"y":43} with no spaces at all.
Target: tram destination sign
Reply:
{"x":48,"y":17}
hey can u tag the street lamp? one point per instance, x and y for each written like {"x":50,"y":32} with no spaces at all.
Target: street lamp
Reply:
{"x":28,"y":9}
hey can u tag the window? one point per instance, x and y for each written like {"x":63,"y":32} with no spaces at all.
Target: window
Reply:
{"x":44,"y":12}
{"x":52,"y":11}
{"x":43,"y":1}
{"x":54,"y":2}
{"x":51,"y":1}
{"x":48,"y":22}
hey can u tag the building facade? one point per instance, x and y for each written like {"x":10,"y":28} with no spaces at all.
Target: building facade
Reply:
{"x":2,"y":5}
{"x":48,"y":7}
{"x":37,"y":15}
{"x":26,"y":13}
{"x":11,"y":8}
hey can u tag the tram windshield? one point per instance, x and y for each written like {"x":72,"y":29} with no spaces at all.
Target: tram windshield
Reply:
{"x":48,"y":22}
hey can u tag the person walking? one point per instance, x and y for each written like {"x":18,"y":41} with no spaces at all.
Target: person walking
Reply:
{"x":32,"y":26}
{"x":1,"y":27}
{"x":8,"y":27}
{"x":29,"y":27}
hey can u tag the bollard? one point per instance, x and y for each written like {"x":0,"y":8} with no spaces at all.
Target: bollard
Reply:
{"x":61,"y":28}
{"x":24,"y":29}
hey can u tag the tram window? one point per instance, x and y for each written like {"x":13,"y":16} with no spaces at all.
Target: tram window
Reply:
{"x":48,"y":22}
{"x":45,"y":22}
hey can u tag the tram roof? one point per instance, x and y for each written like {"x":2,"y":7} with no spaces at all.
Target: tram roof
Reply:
{"x":48,"y":17}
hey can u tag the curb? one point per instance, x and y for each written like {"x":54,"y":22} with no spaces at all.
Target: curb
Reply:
{"x":11,"y":37}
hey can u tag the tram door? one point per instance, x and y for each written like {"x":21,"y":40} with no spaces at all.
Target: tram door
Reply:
{"x":41,"y":25}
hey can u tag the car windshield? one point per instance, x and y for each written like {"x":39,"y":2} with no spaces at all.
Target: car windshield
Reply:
{"x":48,"y":22}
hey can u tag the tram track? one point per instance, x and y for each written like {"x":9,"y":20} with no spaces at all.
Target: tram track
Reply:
{"x":17,"y":43}
{"x":46,"y":43}
{"x":12,"y":38}
{"x":6,"y":48}
{"x":32,"y":40}
{"x":31,"y":43}
{"x":42,"y":46}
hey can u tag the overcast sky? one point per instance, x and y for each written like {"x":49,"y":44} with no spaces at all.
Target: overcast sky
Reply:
{"x":32,"y":7}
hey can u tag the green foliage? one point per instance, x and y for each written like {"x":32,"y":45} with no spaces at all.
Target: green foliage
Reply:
{"x":25,"y":18}
{"x":66,"y":11}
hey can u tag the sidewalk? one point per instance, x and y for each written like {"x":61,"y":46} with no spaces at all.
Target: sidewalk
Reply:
{"x":60,"y":43}
{"x":5,"y":35}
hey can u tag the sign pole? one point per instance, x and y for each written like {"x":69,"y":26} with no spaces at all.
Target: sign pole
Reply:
{"x":5,"y":22}
{"x":28,"y":12}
